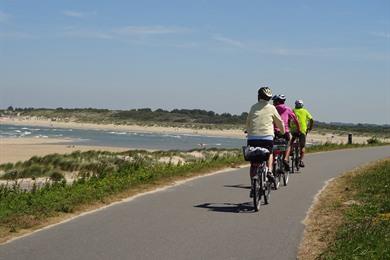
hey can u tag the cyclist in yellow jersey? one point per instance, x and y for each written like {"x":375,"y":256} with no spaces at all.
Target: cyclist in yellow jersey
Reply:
{"x":306,"y":123}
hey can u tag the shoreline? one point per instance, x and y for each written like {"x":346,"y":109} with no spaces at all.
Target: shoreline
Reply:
{"x":130,"y":128}
{"x":313,"y":137}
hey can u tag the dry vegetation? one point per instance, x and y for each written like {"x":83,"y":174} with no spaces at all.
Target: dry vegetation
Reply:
{"x":349,"y":217}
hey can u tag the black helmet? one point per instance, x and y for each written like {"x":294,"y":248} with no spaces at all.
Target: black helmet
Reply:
{"x":265,"y":93}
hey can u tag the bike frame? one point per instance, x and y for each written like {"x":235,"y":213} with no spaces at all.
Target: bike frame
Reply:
{"x":295,"y":155}
{"x":279,"y":171}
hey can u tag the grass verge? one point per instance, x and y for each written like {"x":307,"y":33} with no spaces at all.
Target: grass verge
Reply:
{"x":331,"y":147}
{"x":351,"y":217}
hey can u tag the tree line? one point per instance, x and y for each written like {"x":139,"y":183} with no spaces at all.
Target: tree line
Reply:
{"x":175,"y":116}
{"x":141,"y":114}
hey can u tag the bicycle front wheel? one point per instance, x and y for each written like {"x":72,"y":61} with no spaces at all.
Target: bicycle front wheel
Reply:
{"x":297,"y":159}
{"x":278,"y":175}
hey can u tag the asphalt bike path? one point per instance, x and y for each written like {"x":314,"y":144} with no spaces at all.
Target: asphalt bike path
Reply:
{"x":206,"y":218}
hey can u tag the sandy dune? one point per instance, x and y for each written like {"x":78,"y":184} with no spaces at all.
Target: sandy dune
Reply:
{"x":19,"y":149}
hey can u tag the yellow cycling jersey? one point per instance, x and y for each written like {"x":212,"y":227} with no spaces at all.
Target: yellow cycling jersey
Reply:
{"x":303,"y":118}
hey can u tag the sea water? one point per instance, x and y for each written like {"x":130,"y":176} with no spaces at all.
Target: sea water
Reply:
{"x":132,"y":140}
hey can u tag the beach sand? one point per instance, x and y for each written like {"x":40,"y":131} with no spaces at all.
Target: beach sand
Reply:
{"x":16,"y":149}
{"x":236,"y":133}
{"x":20,"y":149}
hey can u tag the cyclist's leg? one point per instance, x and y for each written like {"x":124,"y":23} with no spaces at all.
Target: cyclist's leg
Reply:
{"x":252,"y":173}
{"x":288,"y":150}
{"x":252,"y":169}
{"x":270,"y":163}
{"x":302,"y":144}
{"x":294,"y":137}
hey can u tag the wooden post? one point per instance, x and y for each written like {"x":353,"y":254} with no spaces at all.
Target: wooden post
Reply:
{"x":349,"y":138}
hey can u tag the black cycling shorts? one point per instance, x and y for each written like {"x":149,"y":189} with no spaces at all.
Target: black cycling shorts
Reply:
{"x":286,"y":136}
{"x":268,"y":144}
{"x":302,"y":139}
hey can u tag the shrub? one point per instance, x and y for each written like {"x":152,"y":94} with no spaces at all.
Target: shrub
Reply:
{"x":11,"y":175}
{"x":373,"y":140}
{"x":34,"y":170}
{"x":7,"y":166}
{"x":56,"y":176}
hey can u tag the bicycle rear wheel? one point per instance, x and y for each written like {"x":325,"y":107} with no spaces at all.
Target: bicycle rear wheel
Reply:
{"x":292,"y":162}
{"x":278,"y":179}
{"x":286,"y":176}
{"x":277,"y":170}
{"x":256,"y":193}
{"x":297,"y":159}
{"x":265,"y":188}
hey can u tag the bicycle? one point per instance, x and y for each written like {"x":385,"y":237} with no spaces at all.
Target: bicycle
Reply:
{"x":295,"y":155}
{"x":280,"y":146}
{"x":260,"y":185}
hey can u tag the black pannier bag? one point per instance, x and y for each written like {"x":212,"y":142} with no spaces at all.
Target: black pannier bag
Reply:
{"x":255,"y":154}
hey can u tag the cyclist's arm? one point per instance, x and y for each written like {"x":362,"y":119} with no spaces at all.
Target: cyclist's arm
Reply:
{"x":278,"y":122}
{"x":311,"y":121}
{"x":311,"y":124}
{"x":248,"y":121}
{"x":296,"y":122}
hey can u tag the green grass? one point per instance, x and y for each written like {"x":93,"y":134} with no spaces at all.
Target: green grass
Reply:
{"x":331,"y":146}
{"x":365,"y":233}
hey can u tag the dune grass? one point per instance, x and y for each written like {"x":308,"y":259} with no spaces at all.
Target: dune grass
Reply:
{"x":351,"y":218}
{"x":332,"y":146}
{"x":365,"y":233}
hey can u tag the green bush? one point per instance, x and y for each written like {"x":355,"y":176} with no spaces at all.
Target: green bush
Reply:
{"x":56,"y":176}
{"x":6,"y":166}
{"x":373,"y":140}
{"x":11,"y":175}
{"x":34,"y":170}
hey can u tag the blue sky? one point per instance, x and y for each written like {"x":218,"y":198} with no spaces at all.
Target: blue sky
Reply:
{"x":213,"y":55}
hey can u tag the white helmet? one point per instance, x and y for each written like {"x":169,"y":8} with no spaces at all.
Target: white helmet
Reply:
{"x":265,"y":93}
{"x":298,"y":103}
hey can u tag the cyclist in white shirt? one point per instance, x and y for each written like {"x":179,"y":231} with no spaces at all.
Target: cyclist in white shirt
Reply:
{"x":260,"y":126}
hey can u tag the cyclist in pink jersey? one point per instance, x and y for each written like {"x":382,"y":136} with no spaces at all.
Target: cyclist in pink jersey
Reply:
{"x":287,"y":115}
